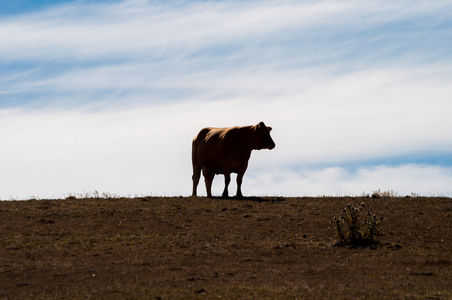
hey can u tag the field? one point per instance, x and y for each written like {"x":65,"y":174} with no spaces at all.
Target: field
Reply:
{"x":255,"y":248}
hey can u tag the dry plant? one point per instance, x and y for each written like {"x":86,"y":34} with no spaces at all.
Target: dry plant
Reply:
{"x":354,"y":232}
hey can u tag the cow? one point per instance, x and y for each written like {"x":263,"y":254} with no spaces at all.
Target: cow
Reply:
{"x":226,"y":151}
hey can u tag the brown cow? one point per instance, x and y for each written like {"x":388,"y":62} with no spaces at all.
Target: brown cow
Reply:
{"x":226,"y":151}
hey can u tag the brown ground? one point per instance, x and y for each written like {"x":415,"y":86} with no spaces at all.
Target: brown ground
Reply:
{"x":166,"y":248}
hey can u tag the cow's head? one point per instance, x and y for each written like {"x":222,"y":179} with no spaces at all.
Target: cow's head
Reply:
{"x":262,"y":137}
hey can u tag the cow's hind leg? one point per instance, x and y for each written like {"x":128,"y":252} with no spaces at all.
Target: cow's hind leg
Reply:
{"x":227,"y":180}
{"x":208,"y":177}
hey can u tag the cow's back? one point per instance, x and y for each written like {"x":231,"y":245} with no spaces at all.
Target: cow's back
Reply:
{"x":201,"y":136}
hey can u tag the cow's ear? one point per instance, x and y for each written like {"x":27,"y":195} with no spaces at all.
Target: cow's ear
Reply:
{"x":269,"y":128}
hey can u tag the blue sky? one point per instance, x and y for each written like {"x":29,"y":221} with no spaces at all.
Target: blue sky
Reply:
{"x":107,"y":95}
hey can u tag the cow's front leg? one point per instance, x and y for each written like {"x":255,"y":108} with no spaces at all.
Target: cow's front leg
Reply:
{"x":227,"y":180}
{"x":239,"y":185}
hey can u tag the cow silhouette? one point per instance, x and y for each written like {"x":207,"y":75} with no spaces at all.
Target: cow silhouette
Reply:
{"x":226,"y":151}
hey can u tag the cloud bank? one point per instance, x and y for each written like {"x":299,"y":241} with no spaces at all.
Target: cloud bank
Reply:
{"x":107,"y":96}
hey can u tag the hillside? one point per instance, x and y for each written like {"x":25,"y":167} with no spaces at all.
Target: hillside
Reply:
{"x":166,"y":248}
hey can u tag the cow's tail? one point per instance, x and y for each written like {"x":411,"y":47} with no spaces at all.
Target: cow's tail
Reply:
{"x":196,"y":164}
{"x":194,"y":155}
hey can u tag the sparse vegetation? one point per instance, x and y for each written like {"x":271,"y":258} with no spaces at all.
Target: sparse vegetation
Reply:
{"x":353,"y":231}
{"x":91,"y":195}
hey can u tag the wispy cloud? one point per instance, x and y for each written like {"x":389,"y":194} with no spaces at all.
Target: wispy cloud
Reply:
{"x":134,"y":46}
{"x":175,"y":29}
{"x":97,"y":93}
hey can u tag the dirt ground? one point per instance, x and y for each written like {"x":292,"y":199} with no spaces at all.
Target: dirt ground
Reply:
{"x":255,"y":248}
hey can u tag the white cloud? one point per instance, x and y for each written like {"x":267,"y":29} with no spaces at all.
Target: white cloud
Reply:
{"x":336,"y":181}
{"x":52,"y":153}
{"x":147,"y":151}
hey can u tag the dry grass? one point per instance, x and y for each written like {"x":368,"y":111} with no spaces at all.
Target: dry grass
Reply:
{"x":166,"y":248}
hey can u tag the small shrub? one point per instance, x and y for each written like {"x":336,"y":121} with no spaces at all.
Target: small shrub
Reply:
{"x":377,"y":194}
{"x":352,"y":231}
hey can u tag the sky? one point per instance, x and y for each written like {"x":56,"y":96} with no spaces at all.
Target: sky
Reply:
{"x":107,"y":95}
